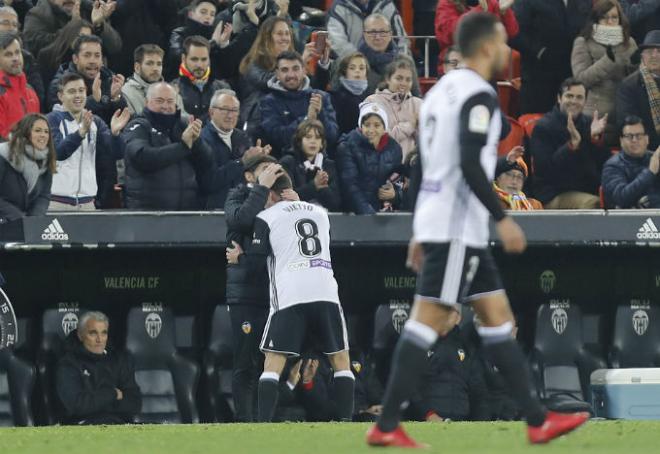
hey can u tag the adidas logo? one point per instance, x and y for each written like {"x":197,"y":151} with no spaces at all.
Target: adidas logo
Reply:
{"x":648,"y":231}
{"x":55,"y":232}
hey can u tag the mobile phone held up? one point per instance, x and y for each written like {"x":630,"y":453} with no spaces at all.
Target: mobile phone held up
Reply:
{"x":320,"y":39}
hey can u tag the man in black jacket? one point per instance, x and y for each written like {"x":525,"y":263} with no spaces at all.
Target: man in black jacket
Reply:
{"x":567,"y":147}
{"x":95,"y":384}
{"x":167,"y":165}
{"x":247,"y":287}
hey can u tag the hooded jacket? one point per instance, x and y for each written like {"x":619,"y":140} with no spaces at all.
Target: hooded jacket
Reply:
{"x":628,"y":180}
{"x":283,"y":110}
{"x":17,"y":99}
{"x":86,"y":385}
{"x":135,"y":93}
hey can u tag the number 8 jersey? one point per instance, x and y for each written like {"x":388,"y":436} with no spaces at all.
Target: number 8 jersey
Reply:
{"x":296,"y":238}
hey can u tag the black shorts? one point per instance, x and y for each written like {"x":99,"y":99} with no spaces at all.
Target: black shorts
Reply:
{"x":453,"y":273}
{"x":323,"y":322}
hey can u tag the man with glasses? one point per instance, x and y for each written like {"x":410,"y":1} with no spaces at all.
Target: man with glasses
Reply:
{"x":510,"y":176}
{"x":227,"y":143}
{"x":630,"y":179}
{"x":567,"y":147}
{"x":638,"y":93}
{"x":346,"y":26}
{"x":167,"y":165}
{"x":452,"y":59}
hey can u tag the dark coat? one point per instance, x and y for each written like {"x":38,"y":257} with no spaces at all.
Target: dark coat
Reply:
{"x":196,"y":102}
{"x":104,"y":108}
{"x":33,"y":74}
{"x":247,"y":281}
{"x":303,"y":181}
{"x":626,"y":180}
{"x":549,"y":25}
{"x":632,"y":99}
{"x":228,"y":172}
{"x":643,"y":16}
{"x":86,"y":385}
{"x":347,"y":108}
{"x":363,"y":170}
{"x":162,"y":173}
{"x":15,"y":201}
{"x":559,"y":169}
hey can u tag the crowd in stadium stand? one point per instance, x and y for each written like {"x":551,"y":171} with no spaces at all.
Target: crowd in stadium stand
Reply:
{"x":199,"y":104}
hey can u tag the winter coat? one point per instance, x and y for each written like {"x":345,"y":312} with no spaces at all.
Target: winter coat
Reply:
{"x":547,"y":31}
{"x":228,"y":171}
{"x":162,"y":173}
{"x":600,"y":74}
{"x":45,"y":22}
{"x":363,"y":170}
{"x":15,"y":201}
{"x":347,"y":108}
{"x":402,"y":117}
{"x":559,"y":169}
{"x":283,"y":110}
{"x":104,"y":108}
{"x":633,"y":99}
{"x":86,"y":385}
{"x":196,"y":102}
{"x":33,"y":74}
{"x":643,"y":15}
{"x":85,"y":167}
{"x":345,"y":24}
{"x":134,"y":92}
{"x":17,"y":99}
{"x":626,"y":180}
{"x":303,"y":181}
{"x":247,"y":281}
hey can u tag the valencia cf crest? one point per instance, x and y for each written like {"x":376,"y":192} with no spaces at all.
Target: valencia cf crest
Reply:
{"x":153,"y":324}
{"x":246,"y":327}
{"x":640,"y":321}
{"x":461,"y":354}
{"x":69,"y":322}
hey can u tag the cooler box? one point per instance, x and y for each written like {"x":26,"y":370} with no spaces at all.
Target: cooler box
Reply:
{"x":626,"y":393}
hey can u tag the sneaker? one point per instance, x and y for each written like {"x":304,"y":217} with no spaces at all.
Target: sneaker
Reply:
{"x":397,"y":438}
{"x":556,"y":425}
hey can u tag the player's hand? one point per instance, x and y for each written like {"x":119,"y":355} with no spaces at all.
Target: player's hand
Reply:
{"x":120,"y":395}
{"x":415,"y":258}
{"x":232,"y":253}
{"x":375,"y":410}
{"x":309,"y":372}
{"x":294,"y":373}
{"x":290,"y":195}
{"x":270,"y":174}
{"x":512,"y":236}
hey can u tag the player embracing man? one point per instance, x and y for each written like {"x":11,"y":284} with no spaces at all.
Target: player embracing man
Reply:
{"x":460,"y":125}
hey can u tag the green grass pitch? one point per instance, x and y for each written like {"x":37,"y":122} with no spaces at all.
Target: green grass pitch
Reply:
{"x":597,"y":437}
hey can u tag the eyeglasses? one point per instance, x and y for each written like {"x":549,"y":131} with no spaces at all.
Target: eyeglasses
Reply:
{"x":161,"y":101}
{"x":225,"y":110}
{"x":377,"y":32}
{"x":631,"y":137}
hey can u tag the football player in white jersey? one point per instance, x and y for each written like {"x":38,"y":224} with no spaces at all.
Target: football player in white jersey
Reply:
{"x":460,"y":127}
{"x":295,"y":238}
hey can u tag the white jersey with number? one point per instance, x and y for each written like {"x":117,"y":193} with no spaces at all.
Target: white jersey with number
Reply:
{"x":447,"y":209}
{"x":296,"y":235}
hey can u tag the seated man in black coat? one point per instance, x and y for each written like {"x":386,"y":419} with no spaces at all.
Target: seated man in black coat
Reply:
{"x":95,"y":384}
{"x":167,"y":165}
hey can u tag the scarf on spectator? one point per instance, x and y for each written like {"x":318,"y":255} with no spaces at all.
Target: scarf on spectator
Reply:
{"x":356,"y":87}
{"x":513,"y":201}
{"x":653,"y":94}
{"x":199,"y":83}
{"x":225,"y":136}
{"x":378,"y":61}
{"x":608,"y":35}
{"x":317,"y":164}
{"x":31,"y":164}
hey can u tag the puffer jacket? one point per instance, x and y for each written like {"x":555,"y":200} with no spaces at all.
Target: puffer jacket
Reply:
{"x":627,"y":180}
{"x":402,"y":117}
{"x":363,"y":170}
{"x":17,"y":99}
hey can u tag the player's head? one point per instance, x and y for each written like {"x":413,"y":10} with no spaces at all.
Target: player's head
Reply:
{"x":283,"y":182}
{"x":482,"y":38}
{"x":254,"y":164}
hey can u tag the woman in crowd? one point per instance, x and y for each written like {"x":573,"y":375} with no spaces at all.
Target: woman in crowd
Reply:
{"x":601,"y":60}
{"x":351,"y":90}
{"x":401,"y":107}
{"x":369,"y":161}
{"x":59,"y":51}
{"x":27,"y":164}
{"x":313,"y":175}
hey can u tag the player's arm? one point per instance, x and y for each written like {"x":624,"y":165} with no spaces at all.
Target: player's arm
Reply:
{"x":259,"y":248}
{"x":476,"y":116}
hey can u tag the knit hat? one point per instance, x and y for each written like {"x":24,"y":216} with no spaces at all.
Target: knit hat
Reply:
{"x":372,"y":108}
{"x":503,"y":166}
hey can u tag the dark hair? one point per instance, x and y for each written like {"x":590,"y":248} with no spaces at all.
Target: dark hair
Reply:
{"x":343,"y":64}
{"x":67,"y":78}
{"x":60,"y":49}
{"x":631,"y":120}
{"x":85,"y":39}
{"x":288,"y":55}
{"x":459,"y":5}
{"x":283,"y":182}
{"x":197,"y":41}
{"x":195,"y":3}
{"x":20,"y":138}
{"x":600,"y":8}
{"x":252,"y":162}
{"x":6,"y":38}
{"x":261,"y":53}
{"x":303,"y":129}
{"x":472,"y":29}
{"x":400,"y":62}
{"x":571,"y":82}
{"x":146,"y":49}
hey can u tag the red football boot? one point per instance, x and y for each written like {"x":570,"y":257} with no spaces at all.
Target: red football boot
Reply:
{"x":556,"y":425}
{"x":397,"y":438}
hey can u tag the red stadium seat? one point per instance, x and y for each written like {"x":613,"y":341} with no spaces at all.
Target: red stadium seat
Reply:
{"x":528,"y":122}
{"x":515,"y":138}
{"x":426,"y":83}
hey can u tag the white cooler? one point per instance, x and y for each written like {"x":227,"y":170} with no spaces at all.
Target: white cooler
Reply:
{"x":626,"y":393}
